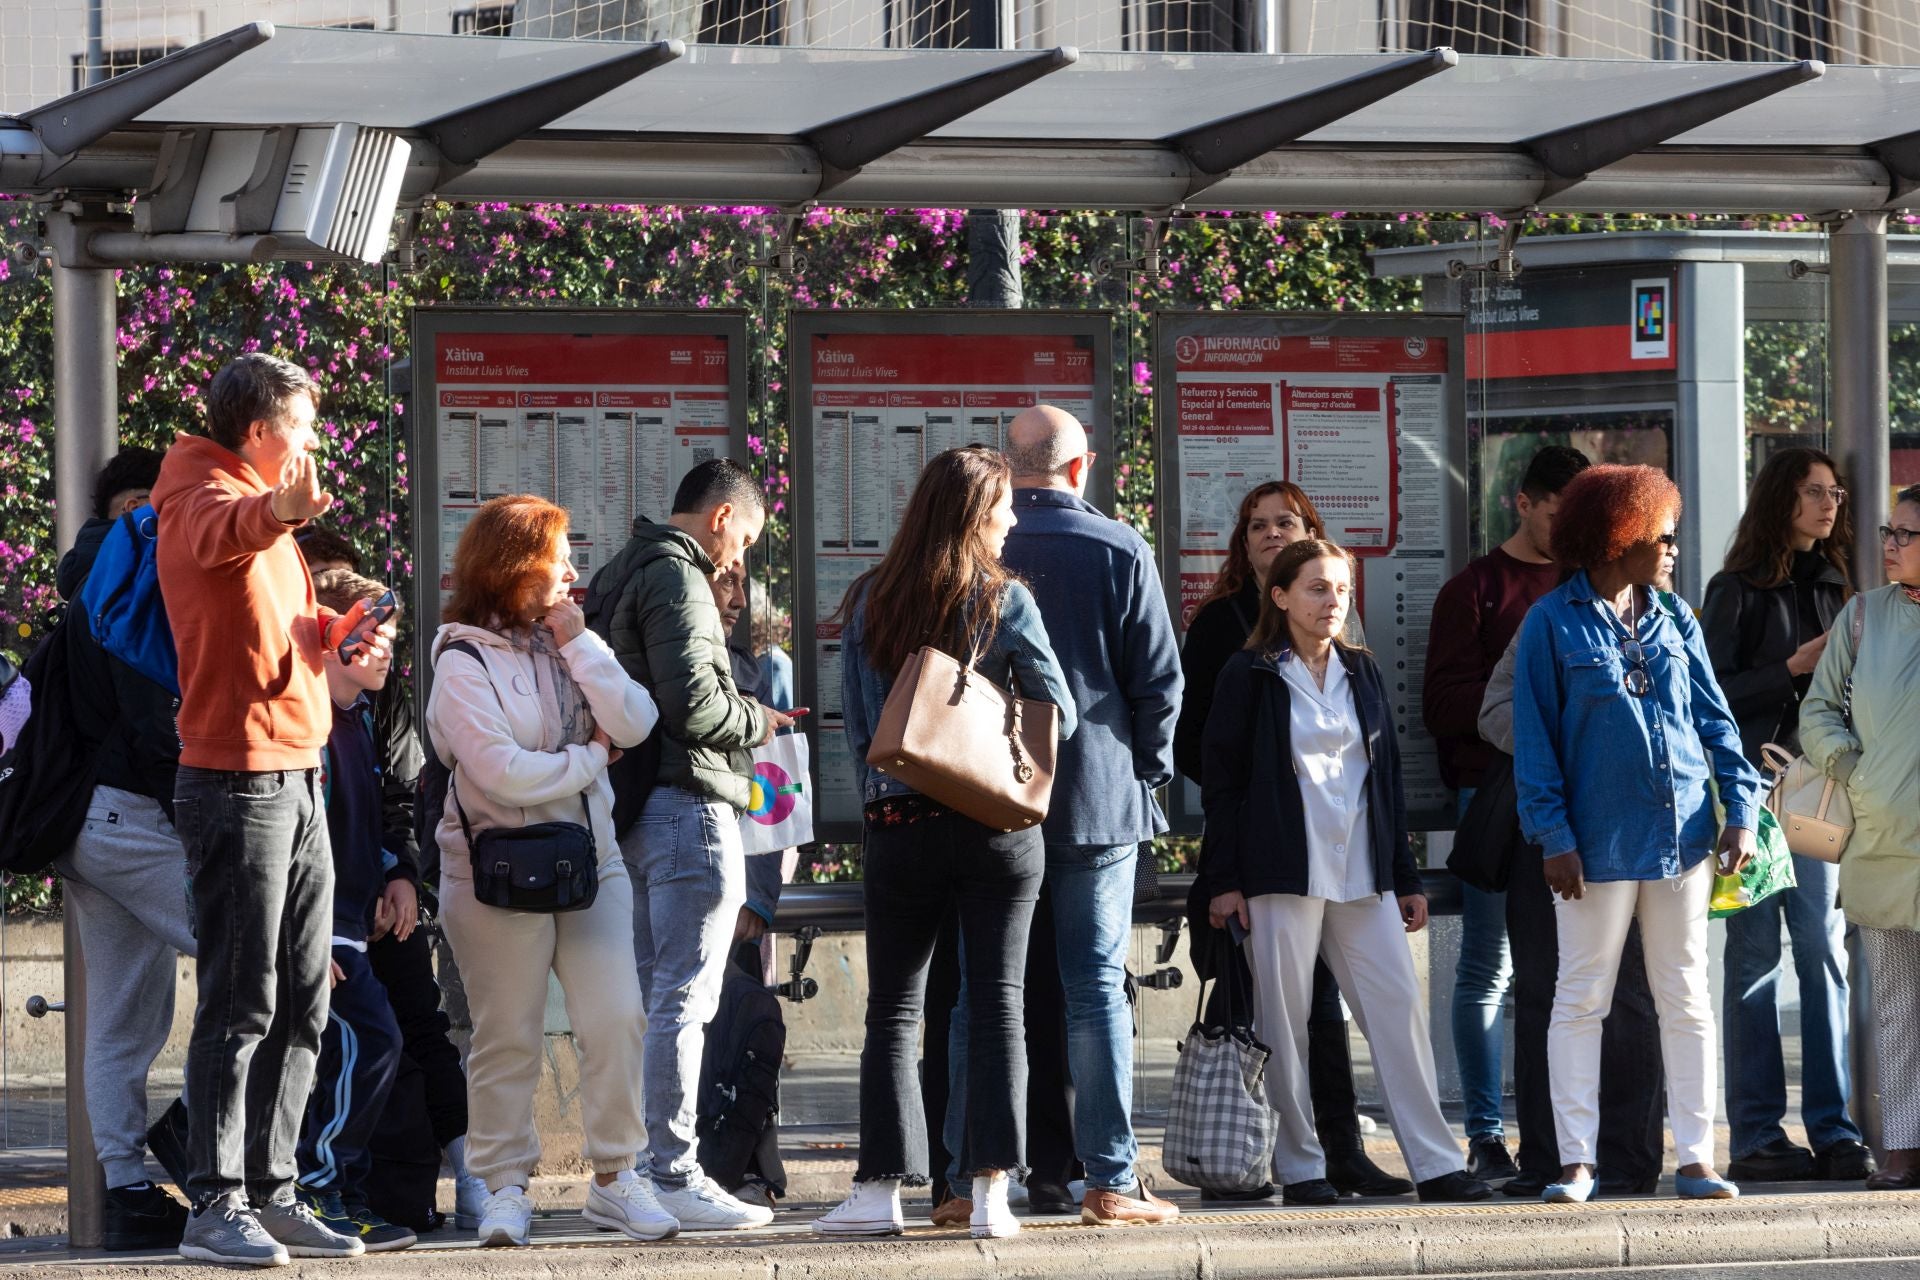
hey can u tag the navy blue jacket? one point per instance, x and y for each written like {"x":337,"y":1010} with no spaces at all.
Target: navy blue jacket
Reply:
{"x":1256,"y":836}
{"x":1107,"y":620}
{"x":352,"y":778}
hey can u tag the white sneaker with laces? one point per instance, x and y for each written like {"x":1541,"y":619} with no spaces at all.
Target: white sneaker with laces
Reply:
{"x":873,"y":1209}
{"x":992,"y":1216}
{"x":628,"y":1204}
{"x":469,"y":1201}
{"x":507,"y":1218}
{"x":703,"y":1205}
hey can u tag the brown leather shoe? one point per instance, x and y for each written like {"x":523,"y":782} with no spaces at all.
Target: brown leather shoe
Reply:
{"x":1889,"y":1180}
{"x":954,"y":1211}
{"x":1111,"y":1209}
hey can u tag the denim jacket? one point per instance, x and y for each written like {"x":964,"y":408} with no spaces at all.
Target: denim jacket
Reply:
{"x":1018,"y":650}
{"x":1623,"y":780}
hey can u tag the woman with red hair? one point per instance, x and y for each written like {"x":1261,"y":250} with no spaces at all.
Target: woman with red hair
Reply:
{"x":528,"y":709}
{"x":1621,"y":734}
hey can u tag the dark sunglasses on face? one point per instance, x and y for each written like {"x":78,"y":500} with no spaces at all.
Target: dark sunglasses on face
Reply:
{"x":1668,"y":539}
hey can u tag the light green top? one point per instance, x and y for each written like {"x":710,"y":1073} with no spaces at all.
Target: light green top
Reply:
{"x":1879,"y":758}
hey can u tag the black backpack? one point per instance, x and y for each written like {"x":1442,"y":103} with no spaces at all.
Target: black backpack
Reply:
{"x":636,"y":772}
{"x":740,"y":1080}
{"x":405,"y":1175}
{"x":47,"y":777}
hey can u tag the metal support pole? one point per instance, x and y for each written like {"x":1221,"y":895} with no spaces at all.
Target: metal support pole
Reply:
{"x":85,"y":436}
{"x":1857,"y":377}
{"x":85,"y":423}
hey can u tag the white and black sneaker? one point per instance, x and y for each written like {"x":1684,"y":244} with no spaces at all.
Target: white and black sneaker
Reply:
{"x":704,"y":1205}
{"x":628,"y":1204}
{"x":225,"y":1230}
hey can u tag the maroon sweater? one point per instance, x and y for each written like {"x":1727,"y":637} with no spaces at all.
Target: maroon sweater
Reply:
{"x":1475,"y":617}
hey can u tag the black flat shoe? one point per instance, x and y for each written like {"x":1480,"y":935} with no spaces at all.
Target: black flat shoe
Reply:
{"x":145,"y":1219}
{"x":1314,"y":1191}
{"x":1459,"y":1187}
{"x":1612,"y":1185}
{"x":1050,"y":1197}
{"x":1527,"y":1185}
{"x":1353,"y":1174}
{"x":1262,"y":1192}
{"x":1778,"y":1161}
{"x":1843,"y":1161}
{"x":1489,"y":1160}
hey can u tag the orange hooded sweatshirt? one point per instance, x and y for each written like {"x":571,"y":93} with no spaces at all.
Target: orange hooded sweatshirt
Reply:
{"x":253,"y":697}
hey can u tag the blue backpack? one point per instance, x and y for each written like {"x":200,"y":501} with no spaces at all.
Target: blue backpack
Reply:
{"x":122,"y":604}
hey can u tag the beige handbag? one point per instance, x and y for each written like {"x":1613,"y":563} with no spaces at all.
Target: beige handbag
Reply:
{"x":957,"y":737}
{"x":1814,"y":810}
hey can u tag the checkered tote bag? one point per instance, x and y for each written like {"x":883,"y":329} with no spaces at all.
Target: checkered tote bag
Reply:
{"x":1220,"y":1131}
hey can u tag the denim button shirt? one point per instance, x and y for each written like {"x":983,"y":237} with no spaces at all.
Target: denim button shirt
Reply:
{"x":1019,"y":649}
{"x":1623,"y":780}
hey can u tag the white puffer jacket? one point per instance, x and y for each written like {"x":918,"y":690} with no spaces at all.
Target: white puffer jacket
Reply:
{"x":497,"y":725}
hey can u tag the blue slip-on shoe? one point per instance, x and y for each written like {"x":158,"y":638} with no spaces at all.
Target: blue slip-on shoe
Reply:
{"x":1704,"y":1188}
{"x":1579,"y":1191}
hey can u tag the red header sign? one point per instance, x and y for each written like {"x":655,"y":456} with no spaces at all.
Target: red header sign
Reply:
{"x":1259,"y":353}
{"x":626,"y":359}
{"x":951,"y":360}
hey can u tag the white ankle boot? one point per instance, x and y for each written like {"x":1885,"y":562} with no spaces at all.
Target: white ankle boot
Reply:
{"x":873,"y":1209}
{"x":992,"y":1217}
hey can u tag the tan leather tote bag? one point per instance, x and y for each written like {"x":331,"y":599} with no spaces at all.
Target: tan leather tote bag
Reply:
{"x":957,"y":737}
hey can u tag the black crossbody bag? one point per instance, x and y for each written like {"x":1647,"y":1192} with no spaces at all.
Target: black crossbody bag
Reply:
{"x":548,"y":867}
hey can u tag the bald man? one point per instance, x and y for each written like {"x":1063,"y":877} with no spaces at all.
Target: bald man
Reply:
{"x":1107,"y":618}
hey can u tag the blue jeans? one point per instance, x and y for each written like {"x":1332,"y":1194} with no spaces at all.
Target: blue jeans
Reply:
{"x":1479,"y":989}
{"x":689,"y":882}
{"x":1756,"y":1075}
{"x":1092,"y":897}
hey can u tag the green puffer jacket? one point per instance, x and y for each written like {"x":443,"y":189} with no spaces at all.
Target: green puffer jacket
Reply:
{"x":667,"y":634}
{"x":1878,"y":757}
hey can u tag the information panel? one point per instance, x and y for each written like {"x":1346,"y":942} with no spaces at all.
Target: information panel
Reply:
{"x":1367,"y":414}
{"x":601,"y":412}
{"x":874,"y":395}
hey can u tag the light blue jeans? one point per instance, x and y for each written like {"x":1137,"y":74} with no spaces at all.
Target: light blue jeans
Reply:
{"x":689,"y":882}
{"x":1092,"y":895}
{"x":1479,"y":990}
{"x":1756,"y":1075}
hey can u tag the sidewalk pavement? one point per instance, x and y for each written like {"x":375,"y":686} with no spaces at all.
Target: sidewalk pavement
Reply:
{"x":1371,"y":1238}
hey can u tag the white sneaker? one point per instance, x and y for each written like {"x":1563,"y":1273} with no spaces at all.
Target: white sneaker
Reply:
{"x":992,"y":1216}
{"x":469,"y":1201}
{"x":628,"y":1204}
{"x":703,"y":1205}
{"x":506,"y":1219}
{"x":873,"y":1209}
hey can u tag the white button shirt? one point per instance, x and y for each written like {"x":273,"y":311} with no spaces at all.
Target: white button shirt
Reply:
{"x":1331,"y":761}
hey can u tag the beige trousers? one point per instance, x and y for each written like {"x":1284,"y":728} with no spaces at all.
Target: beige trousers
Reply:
{"x":504,"y":959}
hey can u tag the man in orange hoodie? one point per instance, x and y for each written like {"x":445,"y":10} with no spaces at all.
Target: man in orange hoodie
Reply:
{"x":254,"y":714}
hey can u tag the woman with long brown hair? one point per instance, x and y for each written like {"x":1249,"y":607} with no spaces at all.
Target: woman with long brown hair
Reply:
{"x":1274,"y":515}
{"x":1766,"y":619}
{"x":528,"y":708}
{"x":942,"y":584}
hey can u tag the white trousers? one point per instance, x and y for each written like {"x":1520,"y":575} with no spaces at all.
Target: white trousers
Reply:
{"x":1365,"y":944}
{"x":1673,"y":932}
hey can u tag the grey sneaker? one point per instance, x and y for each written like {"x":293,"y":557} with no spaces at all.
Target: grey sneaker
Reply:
{"x":225,"y":1230}
{"x":304,"y":1235}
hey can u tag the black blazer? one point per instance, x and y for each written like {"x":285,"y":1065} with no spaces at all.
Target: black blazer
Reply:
{"x":1751,"y":632}
{"x":1256,"y":836}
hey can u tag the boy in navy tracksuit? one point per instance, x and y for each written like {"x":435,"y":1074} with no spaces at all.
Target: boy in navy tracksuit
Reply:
{"x":374,"y":891}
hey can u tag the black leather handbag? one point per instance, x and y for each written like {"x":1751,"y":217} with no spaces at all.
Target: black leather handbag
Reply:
{"x":1488,"y":837}
{"x":548,"y":867}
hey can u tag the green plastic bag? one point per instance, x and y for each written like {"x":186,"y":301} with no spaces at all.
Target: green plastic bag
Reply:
{"x":1768,"y":872}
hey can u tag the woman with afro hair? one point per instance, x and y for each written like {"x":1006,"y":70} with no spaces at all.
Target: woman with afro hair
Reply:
{"x":1621,"y":734}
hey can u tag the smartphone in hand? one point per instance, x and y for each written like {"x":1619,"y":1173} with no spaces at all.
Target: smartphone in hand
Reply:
{"x":376,"y":615}
{"x":1236,"y":930}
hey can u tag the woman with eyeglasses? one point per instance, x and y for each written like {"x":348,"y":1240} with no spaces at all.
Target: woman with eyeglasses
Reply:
{"x":1621,"y":734}
{"x":1860,"y":722}
{"x":1766,"y":617}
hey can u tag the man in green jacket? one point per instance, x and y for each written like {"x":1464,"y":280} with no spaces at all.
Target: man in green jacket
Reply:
{"x":684,"y":853}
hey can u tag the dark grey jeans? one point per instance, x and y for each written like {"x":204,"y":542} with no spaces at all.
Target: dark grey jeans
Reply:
{"x":261,"y":874}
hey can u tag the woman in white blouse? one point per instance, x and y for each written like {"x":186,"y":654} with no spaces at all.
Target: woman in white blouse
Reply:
{"x":1306,"y":852}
